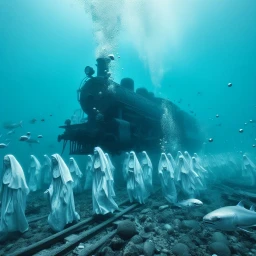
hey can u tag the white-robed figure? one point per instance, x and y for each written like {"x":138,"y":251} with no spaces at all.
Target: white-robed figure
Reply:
{"x":13,"y":194}
{"x":186,"y":178}
{"x":125,"y":165}
{"x":200,"y":171}
{"x":188,"y":158}
{"x":102,"y":184}
{"x":147,"y":169}
{"x":135,"y":184}
{"x":35,"y":174}
{"x":76,"y":175}
{"x":171,"y":159}
{"x":88,"y":173}
{"x":166,"y":175}
{"x":46,"y":170}
{"x":248,"y":171}
{"x":61,"y":196}
{"x":112,"y":167}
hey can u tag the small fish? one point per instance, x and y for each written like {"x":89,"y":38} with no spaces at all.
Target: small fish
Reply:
{"x":28,"y":133}
{"x":24,"y":138}
{"x":33,"y":121}
{"x":231,"y":218}
{"x":32,"y":141}
{"x":11,"y":132}
{"x":42,"y":120}
{"x":11,"y":126}
{"x":50,"y":114}
{"x":189,"y":203}
{"x":3,"y":145}
{"x":40,"y":136}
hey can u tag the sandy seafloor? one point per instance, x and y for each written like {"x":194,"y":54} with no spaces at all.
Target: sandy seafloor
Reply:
{"x":172,"y":231}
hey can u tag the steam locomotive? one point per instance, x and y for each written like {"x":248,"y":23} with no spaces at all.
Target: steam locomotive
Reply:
{"x":122,"y":119}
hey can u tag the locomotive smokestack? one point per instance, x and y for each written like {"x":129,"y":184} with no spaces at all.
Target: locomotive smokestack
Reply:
{"x":102,"y":66}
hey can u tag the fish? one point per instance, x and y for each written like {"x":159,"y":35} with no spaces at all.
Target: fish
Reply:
{"x":28,"y":133}
{"x":3,"y":145}
{"x":24,"y":138}
{"x":189,"y":203}
{"x":32,"y":121}
{"x":11,"y":126}
{"x":231,"y":218}
{"x":42,"y":120}
{"x":40,"y":136}
{"x":11,"y":132}
{"x":30,"y":141}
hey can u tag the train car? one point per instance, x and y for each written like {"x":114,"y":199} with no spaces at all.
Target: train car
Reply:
{"x":122,"y":119}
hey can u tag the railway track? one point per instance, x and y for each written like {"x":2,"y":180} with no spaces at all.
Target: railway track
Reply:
{"x":64,"y":249}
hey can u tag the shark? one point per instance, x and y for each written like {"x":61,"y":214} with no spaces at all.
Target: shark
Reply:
{"x":231,"y":218}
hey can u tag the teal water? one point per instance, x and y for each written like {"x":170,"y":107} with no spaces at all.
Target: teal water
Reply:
{"x":187,"y":51}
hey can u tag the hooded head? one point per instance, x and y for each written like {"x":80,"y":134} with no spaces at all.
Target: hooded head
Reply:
{"x":17,"y":180}
{"x":165,"y":165}
{"x":47,"y":160}
{"x":60,"y":169}
{"x":183,"y":166}
{"x":101,"y":161}
{"x":146,"y":160}
{"x":73,"y":167}
{"x":134,"y":165}
{"x":35,"y":163}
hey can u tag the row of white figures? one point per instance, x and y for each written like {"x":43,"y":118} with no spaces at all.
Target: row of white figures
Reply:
{"x":14,"y":189}
{"x":40,"y":175}
{"x":248,"y":172}
{"x":185,"y":174}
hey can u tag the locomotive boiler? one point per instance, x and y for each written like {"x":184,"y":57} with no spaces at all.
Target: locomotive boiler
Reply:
{"x":122,"y":119}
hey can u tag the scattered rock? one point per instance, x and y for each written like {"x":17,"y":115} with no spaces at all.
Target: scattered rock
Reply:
{"x":126,"y":229}
{"x":180,"y":249}
{"x":137,"y":239}
{"x":131,"y":250}
{"x":219,"y":237}
{"x":149,"y":248}
{"x":191,"y":224}
{"x":176,"y":224}
{"x":163,"y":207}
{"x":220,"y":249}
{"x":107,"y":251}
{"x":168,"y":228}
{"x":117,"y":243}
{"x":149,"y":227}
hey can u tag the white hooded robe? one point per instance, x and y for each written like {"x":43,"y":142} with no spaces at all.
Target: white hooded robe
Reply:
{"x":135,"y":184}
{"x":102,"y":184}
{"x":147,"y":169}
{"x":76,"y":175}
{"x":34,"y":170}
{"x":166,"y":175}
{"x":13,"y":193}
{"x":61,"y":197}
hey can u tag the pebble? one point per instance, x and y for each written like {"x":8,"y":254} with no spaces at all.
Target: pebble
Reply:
{"x":149,"y":248}
{"x":219,"y":237}
{"x":126,"y":229}
{"x":220,"y":249}
{"x":180,"y":250}
{"x":163,"y":207}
